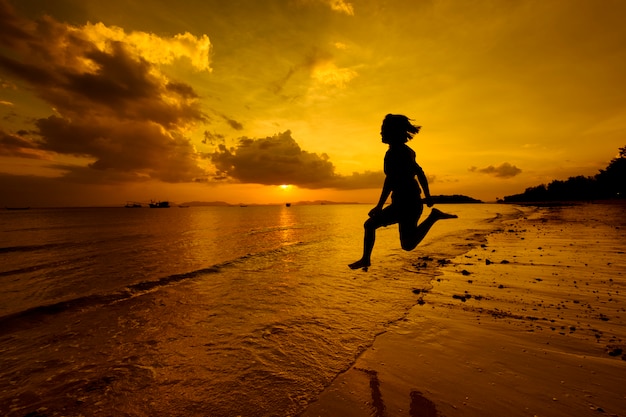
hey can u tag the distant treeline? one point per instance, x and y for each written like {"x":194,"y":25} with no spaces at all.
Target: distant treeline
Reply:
{"x":609,"y":183}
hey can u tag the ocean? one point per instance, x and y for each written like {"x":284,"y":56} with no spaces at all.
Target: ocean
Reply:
{"x":202,"y":311}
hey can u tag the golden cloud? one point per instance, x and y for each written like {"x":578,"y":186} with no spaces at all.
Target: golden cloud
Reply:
{"x":154,"y":49}
{"x":327,"y":73}
{"x":341,"y":6}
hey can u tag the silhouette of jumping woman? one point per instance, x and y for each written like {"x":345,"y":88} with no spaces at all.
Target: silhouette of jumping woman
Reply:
{"x":406,"y":203}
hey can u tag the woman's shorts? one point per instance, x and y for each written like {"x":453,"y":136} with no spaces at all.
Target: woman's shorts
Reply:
{"x":402,"y":214}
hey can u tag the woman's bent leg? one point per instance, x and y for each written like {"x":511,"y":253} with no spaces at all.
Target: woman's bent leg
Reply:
{"x":411,"y":234}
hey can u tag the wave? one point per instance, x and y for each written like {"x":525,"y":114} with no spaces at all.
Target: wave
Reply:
{"x":33,"y":268}
{"x":500,"y":217}
{"x":32,"y":248}
{"x":32,"y":316}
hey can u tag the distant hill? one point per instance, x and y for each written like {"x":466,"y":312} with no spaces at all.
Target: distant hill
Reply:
{"x":609,"y":183}
{"x":206,"y":203}
{"x":454,"y":199}
{"x":298,"y":203}
{"x":437,"y":199}
{"x":319,"y":202}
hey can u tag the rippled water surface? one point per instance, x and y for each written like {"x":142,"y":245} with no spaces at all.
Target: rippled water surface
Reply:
{"x":219,"y":311}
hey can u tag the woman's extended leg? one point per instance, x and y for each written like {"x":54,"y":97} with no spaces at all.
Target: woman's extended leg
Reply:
{"x":369,"y":238}
{"x":411,"y":235}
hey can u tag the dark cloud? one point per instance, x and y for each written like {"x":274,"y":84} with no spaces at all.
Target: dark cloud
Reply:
{"x":18,"y":146}
{"x":182,"y":89}
{"x":213,"y":139}
{"x":11,"y":30}
{"x":233,"y":123}
{"x":505,"y":170}
{"x":112,"y":106}
{"x":148,"y":150}
{"x":279,"y":160}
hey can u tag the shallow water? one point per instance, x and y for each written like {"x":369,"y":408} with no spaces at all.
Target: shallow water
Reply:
{"x":219,"y":311}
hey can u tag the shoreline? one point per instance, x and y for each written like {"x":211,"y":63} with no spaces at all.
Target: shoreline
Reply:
{"x":531,"y":323}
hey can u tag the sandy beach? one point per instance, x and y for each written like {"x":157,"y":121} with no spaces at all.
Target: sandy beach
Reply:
{"x":531,"y":323}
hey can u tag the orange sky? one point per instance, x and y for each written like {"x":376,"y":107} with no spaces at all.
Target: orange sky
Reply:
{"x":206,"y":100}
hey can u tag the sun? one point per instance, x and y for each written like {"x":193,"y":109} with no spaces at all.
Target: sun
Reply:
{"x":285,"y":186}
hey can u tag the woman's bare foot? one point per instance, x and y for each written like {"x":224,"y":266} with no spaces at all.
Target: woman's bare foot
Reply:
{"x":440,"y":215}
{"x":360,"y":264}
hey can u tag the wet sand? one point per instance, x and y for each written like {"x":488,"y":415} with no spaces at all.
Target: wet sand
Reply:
{"x":532,"y":323}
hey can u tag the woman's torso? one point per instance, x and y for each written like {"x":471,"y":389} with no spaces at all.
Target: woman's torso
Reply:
{"x":400,"y":169}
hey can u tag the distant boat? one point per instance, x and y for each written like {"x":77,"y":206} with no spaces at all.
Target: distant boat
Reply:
{"x":181,"y":206}
{"x":288,"y":205}
{"x":131,"y":204}
{"x":17,"y":208}
{"x":160,"y":204}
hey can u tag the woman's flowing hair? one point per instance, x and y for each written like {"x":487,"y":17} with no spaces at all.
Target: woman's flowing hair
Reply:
{"x":400,"y":127}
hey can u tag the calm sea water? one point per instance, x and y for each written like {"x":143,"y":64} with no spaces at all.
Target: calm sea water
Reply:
{"x":216,"y":311}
